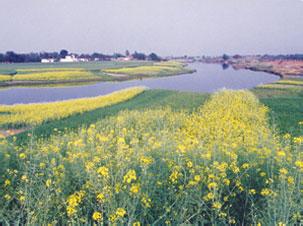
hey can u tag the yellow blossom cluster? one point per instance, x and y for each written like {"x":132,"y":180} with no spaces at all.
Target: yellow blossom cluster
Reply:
{"x":157,"y":69}
{"x":33,"y":114}
{"x":5,"y":78}
{"x":55,"y":76}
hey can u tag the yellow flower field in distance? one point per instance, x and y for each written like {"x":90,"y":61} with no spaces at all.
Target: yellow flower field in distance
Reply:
{"x":290,"y":82}
{"x":5,"y":78}
{"x":55,"y":76}
{"x":158,"y":69}
{"x":170,"y":63}
{"x":281,"y":84}
{"x":30,"y":70}
{"x":33,"y":114}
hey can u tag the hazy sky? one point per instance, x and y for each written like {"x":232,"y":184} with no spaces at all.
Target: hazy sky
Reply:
{"x":167,"y":27}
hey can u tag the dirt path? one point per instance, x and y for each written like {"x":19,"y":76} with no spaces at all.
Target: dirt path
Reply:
{"x":11,"y":132}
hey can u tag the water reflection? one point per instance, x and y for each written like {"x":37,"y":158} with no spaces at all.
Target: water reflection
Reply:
{"x":225,"y":66}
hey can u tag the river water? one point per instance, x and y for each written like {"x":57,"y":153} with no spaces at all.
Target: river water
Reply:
{"x":208,"y":78}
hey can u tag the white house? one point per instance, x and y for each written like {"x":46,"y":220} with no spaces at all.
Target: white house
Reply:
{"x":128,"y":58}
{"x":69,"y":59}
{"x":82,"y":59}
{"x":48,"y":60}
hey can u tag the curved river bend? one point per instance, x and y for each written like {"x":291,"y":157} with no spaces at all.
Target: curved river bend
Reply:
{"x":208,"y":78}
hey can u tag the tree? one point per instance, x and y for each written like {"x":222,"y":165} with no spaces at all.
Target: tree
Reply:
{"x":225,"y":57}
{"x":117,"y":55}
{"x":139,"y":56}
{"x":12,"y":57}
{"x":63,"y":53}
{"x":154,"y":57}
{"x":127,"y":53}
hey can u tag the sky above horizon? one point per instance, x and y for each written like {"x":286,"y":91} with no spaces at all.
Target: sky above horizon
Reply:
{"x":167,"y":27}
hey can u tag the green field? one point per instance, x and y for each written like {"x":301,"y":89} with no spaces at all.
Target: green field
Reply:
{"x":37,"y":74}
{"x":162,"y":158}
{"x":156,"y":70}
{"x":71,"y":73}
{"x":90,"y":66}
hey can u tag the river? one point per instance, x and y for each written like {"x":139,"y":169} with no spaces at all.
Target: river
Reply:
{"x":208,"y":78}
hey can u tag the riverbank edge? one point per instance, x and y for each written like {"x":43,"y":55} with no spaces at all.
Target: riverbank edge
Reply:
{"x":101,"y":79}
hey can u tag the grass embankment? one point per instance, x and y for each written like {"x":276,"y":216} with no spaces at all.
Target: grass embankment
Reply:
{"x":83,"y":73}
{"x":49,"y":76}
{"x":155,"y":70}
{"x":37,"y":74}
{"x":25,"y":115}
{"x":88,"y":66}
{"x":152,"y":99}
{"x":220,"y":164}
{"x":284,"y":99}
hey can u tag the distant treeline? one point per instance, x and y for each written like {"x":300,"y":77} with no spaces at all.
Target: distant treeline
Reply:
{"x":12,"y":57}
{"x":283,"y":57}
{"x":266,"y":57}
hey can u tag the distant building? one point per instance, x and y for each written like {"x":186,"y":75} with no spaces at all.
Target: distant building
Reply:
{"x":82,"y":60}
{"x":128,"y":58}
{"x":49,"y":60}
{"x":69,"y":59}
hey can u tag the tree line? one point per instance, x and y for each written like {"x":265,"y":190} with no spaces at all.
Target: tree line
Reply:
{"x":12,"y":57}
{"x":283,"y":57}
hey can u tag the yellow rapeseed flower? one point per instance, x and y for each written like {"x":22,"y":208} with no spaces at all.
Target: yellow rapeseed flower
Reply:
{"x":130,"y":176}
{"x":299,"y":165}
{"x":120,"y":212}
{"x":101,"y":197}
{"x":252,"y":191}
{"x":7,"y":182}
{"x":48,"y":182}
{"x":22,"y":155}
{"x":7,"y":197}
{"x":146,"y":201}
{"x":283,"y":171}
{"x":134,"y":189}
{"x":97,"y":216}
{"x":212,"y":186}
{"x":217,"y":205}
{"x":103,"y":171}
{"x":266,"y":192}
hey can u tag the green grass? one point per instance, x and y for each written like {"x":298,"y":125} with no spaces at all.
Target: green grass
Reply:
{"x":85,"y":65}
{"x":286,"y":107}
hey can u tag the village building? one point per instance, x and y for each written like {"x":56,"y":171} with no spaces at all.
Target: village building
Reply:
{"x":69,"y":59}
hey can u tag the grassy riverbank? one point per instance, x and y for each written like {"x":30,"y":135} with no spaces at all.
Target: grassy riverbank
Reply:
{"x":58,"y":74}
{"x":285,"y":104}
{"x":156,"y":70}
{"x":29,"y":115}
